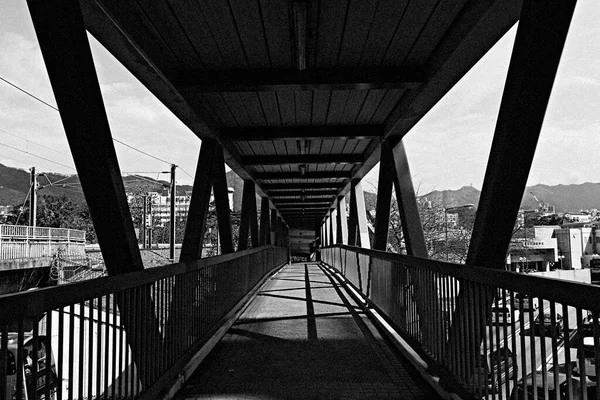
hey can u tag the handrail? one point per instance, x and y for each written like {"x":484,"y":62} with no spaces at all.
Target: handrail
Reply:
{"x":31,"y":303}
{"x":588,"y":296}
{"x":40,"y":233}
{"x":481,"y":328}
{"x":125,"y":336}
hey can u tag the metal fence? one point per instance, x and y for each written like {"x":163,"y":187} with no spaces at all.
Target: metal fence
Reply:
{"x":492,"y":334}
{"x":121,"y":337}
{"x":35,"y":242}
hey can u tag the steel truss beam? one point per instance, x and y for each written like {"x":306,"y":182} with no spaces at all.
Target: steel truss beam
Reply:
{"x":292,"y":79}
{"x":303,"y":159}
{"x":303,"y":133}
{"x":539,"y":43}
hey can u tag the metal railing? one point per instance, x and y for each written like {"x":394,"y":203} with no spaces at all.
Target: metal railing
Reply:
{"x":492,"y":334}
{"x":36,"y":242}
{"x":125,"y":336}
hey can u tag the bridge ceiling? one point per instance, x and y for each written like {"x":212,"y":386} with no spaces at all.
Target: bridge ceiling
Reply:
{"x":300,"y":93}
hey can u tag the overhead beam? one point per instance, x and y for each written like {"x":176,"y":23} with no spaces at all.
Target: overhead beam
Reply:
{"x":309,"y":200}
{"x":273,"y":194}
{"x":307,"y":175}
{"x":280,"y":187}
{"x":303,"y":159}
{"x":259,"y":80}
{"x":341,"y":132}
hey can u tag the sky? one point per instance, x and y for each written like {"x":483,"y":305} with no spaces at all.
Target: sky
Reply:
{"x":447,"y":149}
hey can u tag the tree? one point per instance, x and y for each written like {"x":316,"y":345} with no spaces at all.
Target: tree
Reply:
{"x":62,"y":212}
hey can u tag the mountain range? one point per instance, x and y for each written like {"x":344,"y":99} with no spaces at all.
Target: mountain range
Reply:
{"x":14,"y":188}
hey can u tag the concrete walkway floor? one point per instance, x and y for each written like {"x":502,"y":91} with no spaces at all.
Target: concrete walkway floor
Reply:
{"x":303,"y":337}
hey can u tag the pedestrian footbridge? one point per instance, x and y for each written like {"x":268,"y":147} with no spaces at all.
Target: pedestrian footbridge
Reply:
{"x":302,"y":98}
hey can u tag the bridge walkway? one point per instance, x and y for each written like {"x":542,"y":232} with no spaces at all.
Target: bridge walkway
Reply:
{"x":303,"y":337}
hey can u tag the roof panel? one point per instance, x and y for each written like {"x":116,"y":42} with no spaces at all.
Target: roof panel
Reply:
{"x":268,"y":101}
{"x":359,"y":22}
{"x":303,"y":102}
{"x":336,"y":106}
{"x":166,"y":23}
{"x":436,"y":28}
{"x":353,"y":106}
{"x":196,"y":28}
{"x":387,"y":18}
{"x":386,"y":106}
{"x":321,"y":99}
{"x":249,"y":26}
{"x":370,"y":106}
{"x":275,"y":16}
{"x":253,"y":107}
{"x":332,"y":20}
{"x":416,"y":16}
{"x":237,"y":109}
{"x":287,"y":108}
{"x":219,"y":106}
{"x":224,"y":30}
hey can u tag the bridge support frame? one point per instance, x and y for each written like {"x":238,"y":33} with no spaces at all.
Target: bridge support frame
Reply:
{"x":61,"y":34}
{"x":248,"y":218}
{"x":541,"y":34}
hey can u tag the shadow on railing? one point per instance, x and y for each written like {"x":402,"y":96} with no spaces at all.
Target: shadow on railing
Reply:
{"x":492,"y":334}
{"x":126,"y":336}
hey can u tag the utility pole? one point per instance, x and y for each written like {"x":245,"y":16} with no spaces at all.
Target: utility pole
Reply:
{"x":172,"y":227}
{"x":144,"y":209}
{"x":32,"y":198}
{"x":149,"y":224}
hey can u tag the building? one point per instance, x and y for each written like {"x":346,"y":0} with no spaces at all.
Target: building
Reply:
{"x":161,"y":205}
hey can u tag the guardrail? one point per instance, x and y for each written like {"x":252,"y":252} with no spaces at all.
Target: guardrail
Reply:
{"x":492,"y":334}
{"x":125,"y":336}
{"x":18,"y":241}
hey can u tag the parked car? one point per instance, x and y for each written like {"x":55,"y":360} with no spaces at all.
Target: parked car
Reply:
{"x":562,"y":390}
{"x":525,"y":301}
{"x":543,"y":323}
{"x":489,"y":380}
{"x":503,"y":314}
{"x":588,"y":324}
{"x":25,"y":370}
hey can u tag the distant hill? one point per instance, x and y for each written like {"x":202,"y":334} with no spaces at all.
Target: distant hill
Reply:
{"x":14,"y":187}
{"x":565,"y":198}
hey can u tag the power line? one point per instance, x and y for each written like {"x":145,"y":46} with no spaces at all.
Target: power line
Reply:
{"x":35,"y":155}
{"x":37,"y":144}
{"x":140,"y":151}
{"x":183,"y":170}
{"x":29,"y":94}
{"x":56,"y":109}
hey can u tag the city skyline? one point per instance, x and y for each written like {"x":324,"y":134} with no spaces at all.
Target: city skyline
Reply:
{"x":447,"y":149}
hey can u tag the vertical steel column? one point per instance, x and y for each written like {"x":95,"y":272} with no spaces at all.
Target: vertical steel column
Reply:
{"x":384,"y":198}
{"x":342,"y":221}
{"x":195,"y":227}
{"x":63,"y":41}
{"x":331,"y":236}
{"x":265,"y":232}
{"x":222,"y":201}
{"x":248,"y":222}
{"x":539,"y":43}
{"x":273,"y":226}
{"x":172,"y":225}
{"x":353,"y":217}
{"x":361,"y":215}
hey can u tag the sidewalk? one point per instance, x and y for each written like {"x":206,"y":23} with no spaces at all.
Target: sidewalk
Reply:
{"x":304,"y":338}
